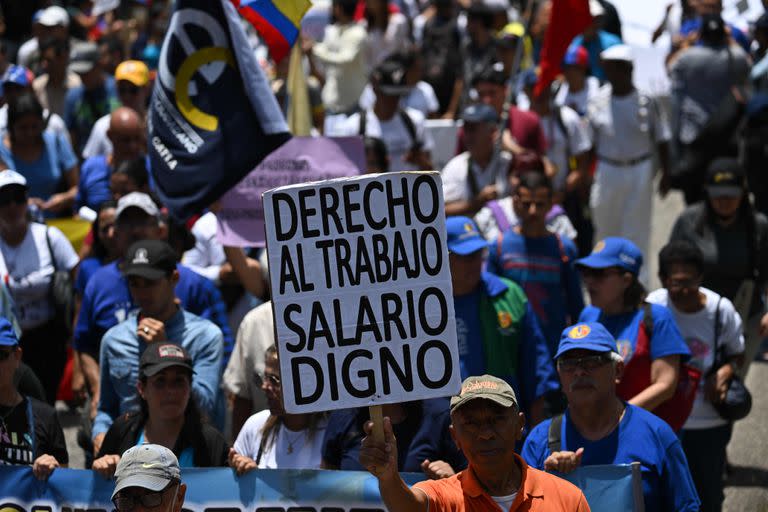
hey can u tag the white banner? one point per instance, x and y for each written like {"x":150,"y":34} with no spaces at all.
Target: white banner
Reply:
{"x":361,"y":291}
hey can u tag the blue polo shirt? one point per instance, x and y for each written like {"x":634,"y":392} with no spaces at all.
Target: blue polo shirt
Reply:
{"x":423,"y":435}
{"x":640,"y":437}
{"x":543,"y":267}
{"x":107,"y":302}
{"x":665,"y":341}
{"x":535,"y":373}
{"x":94,"y":183}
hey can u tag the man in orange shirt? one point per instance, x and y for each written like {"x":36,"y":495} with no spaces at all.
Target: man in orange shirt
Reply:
{"x":486,"y":424}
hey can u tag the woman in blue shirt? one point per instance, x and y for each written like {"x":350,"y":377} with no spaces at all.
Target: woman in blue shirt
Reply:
{"x":617,"y":297}
{"x":43,"y":157}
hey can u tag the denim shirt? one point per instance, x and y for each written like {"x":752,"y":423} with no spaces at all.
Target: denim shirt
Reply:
{"x":119,"y":357}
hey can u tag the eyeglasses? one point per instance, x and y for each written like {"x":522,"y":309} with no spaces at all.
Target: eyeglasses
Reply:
{"x":10,"y":195}
{"x":125,"y":502}
{"x":599,"y":273}
{"x":588,"y":363}
{"x":127,"y":89}
{"x":5,"y":354}
{"x":274,"y":380}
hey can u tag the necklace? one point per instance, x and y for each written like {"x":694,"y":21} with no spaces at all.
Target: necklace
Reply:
{"x":301,"y":435}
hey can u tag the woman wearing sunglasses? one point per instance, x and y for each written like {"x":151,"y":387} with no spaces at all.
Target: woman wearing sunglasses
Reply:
{"x":30,"y":254}
{"x":647,"y":337}
{"x":168,"y":415}
{"x":273,"y":438}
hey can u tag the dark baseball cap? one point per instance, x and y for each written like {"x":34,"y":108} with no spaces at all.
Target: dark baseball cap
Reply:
{"x":479,"y":113}
{"x":150,"y":259}
{"x":485,"y":387}
{"x":390,"y":75}
{"x":159,"y":356}
{"x":493,"y":74}
{"x":725,"y":178}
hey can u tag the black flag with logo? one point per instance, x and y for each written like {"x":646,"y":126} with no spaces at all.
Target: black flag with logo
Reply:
{"x":213,"y":116}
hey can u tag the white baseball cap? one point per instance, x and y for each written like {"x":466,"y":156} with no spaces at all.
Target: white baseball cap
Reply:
{"x":596,"y":8}
{"x":137,"y":200}
{"x":10,"y":177}
{"x":620,"y":52}
{"x":54,"y":16}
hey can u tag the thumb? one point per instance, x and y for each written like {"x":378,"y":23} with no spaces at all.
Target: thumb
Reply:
{"x":425,"y":465}
{"x":579,"y":454}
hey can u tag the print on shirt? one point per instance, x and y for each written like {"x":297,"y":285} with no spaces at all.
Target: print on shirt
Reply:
{"x":15,"y":441}
{"x":700,"y":351}
{"x":625,"y":350}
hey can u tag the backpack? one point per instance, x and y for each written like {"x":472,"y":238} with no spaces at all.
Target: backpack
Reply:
{"x":441,"y":57}
{"x":416,"y":143}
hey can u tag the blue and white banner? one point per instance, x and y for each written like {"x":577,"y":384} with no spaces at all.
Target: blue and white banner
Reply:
{"x":213,"y":116}
{"x":219,"y":490}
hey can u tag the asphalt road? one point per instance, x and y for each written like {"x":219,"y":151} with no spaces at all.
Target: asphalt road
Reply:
{"x":747,"y":488}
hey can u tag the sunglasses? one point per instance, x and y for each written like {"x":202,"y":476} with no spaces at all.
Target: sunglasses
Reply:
{"x":10,"y":195}
{"x":125,"y":502}
{"x":585,"y":363}
{"x":273,"y":379}
{"x":5,"y":354}
{"x":127,"y":89}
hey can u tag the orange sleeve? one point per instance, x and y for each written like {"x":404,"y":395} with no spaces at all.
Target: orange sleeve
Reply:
{"x":440,"y":496}
{"x":583,"y":506}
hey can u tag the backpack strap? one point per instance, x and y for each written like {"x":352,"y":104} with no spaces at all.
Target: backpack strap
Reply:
{"x":411,"y":129}
{"x":50,"y":249}
{"x":561,"y":249}
{"x":717,"y":349}
{"x":554,"y":435}
{"x":498,"y":214}
{"x":363,"y":122}
{"x":648,"y":320}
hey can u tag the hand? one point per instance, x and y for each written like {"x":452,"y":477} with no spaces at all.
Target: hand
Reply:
{"x":44,"y":466}
{"x":94,"y":406}
{"x":437,"y":469}
{"x":57,"y":203}
{"x":418,"y":158}
{"x":764,"y":325}
{"x":575,"y":182}
{"x":106,"y":465}
{"x":509,"y":143}
{"x":240,"y":463}
{"x":489,"y":193}
{"x":380,"y":459}
{"x":227,"y":274}
{"x":36,"y":201}
{"x":97,"y":441}
{"x":564,"y":462}
{"x":307,"y":43}
{"x":151,"y":330}
{"x":716,"y":385}
{"x":79,"y":390}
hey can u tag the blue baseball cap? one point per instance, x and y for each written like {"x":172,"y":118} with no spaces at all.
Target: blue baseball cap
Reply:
{"x":463,"y":236}
{"x":614,"y":252}
{"x":586,"y":336}
{"x":18,"y":75}
{"x":8,"y":336}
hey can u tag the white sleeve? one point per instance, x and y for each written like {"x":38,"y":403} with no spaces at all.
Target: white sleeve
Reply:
{"x":422,"y":133}
{"x":454,"y":176}
{"x":731,"y":332}
{"x":663,"y":133}
{"x":63,"y":252}
{"x":236,"y":375}
{"x":433,"y":105}
{"x":578,"y":133}
{"x":249,"y":438}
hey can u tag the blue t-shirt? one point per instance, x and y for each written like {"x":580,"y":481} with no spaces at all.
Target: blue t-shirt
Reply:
{"x":44,"y":174}
{"x":665,"y":341}
{"x":107,"y":302}
{"x":641,"y":437}
{"x":85,"y":271}
{"x":83,"y":108}
{"x":423,"y":435}
{"x":552,"y":285}
{"x":471,"y":354}
{"x":594,"y":47}
{"x":694,"y":25}
{"x":94,"y":183}
{"x":535,"y":374}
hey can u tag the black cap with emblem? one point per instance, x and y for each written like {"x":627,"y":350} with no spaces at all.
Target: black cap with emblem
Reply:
{"x":150,"y":259}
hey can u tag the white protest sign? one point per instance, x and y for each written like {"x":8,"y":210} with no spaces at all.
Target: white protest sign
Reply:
{"x":361,"y":291}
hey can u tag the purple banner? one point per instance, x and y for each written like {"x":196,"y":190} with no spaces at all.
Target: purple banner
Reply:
{"x":300,"y":160}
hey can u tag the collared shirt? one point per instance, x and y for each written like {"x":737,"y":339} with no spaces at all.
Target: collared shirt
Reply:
{"x":121,"y":350}
{"x":538,"y":491}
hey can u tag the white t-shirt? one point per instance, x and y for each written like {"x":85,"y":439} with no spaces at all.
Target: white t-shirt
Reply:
{"x":255,"y":335}
{"x":98,"y":143}
{"x":288,"y":449}
{"x":422,"y":98}
{"x":626,"y":127}
{"x":489,"y":226}
{"x":396,"y":38}
{"x":560,"y":148}
{"x":394,"y":134}
{"x":207,"y":256}
{"x":456,"y":179}
{"x":698,"y":329}
{"x":505,"y":501}
{"x":30,"y":270}
{"x":578,"y":101}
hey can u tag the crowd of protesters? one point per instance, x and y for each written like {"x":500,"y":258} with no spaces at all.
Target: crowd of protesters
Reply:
{"x":156,"y":333}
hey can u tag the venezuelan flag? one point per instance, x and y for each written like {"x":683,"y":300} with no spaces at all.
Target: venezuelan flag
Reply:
{"x":277,"y":21}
